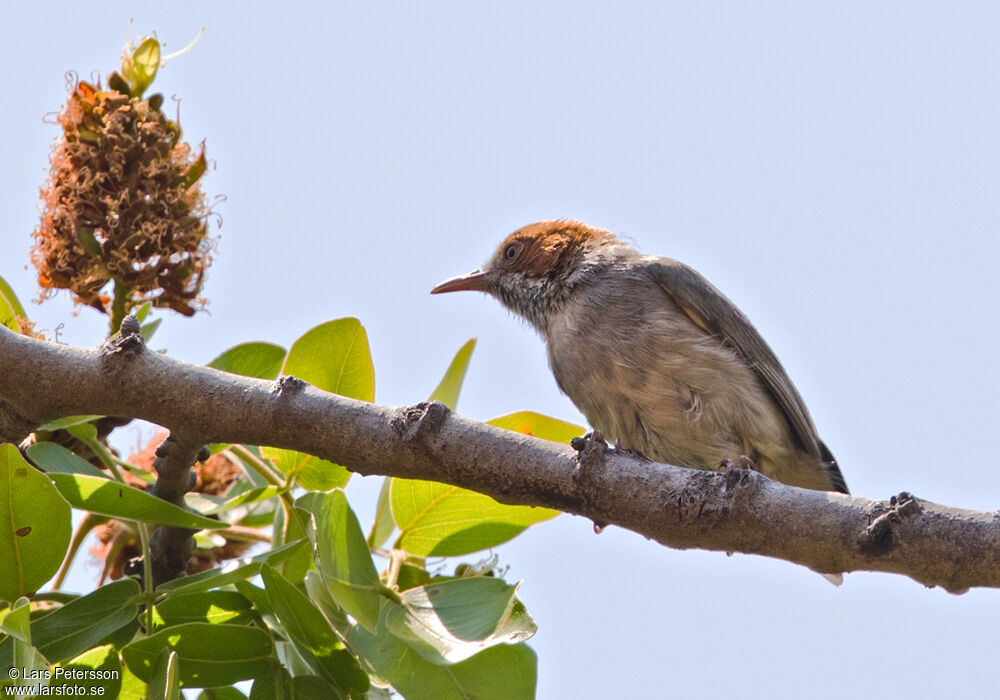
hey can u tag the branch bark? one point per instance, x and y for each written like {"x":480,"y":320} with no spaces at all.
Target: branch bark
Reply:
{"x":735,"y":511}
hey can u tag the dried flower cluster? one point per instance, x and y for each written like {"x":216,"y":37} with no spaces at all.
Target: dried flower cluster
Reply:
{"x":123,"y":204}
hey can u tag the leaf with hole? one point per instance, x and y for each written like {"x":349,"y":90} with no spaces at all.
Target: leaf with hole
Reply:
{"x":35,"y":526}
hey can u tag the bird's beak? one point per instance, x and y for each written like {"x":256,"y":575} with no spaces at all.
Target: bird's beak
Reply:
{"x":473,"y":282}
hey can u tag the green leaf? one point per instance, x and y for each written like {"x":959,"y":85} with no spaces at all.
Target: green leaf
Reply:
{"x":56,"y":459}
{"x":8,"y":312}
{"x":502,"y":672}
{"x":210,"y":655}
{"x":123,"y":635}
{"x":260,"y":360}
{"x":238,"y":570}
{"x":77,"y":626}
{"x":343,"y":557}
{"x":118,"y":83}
{"x":17,"y":651}
{"x":412,"y":576}
{"x":35,"y":526}
{"x":255,"y":495}
{"x":88,"y":242}
{"x":147,"y":330}
{"x":66,"y":422}
{"x":7,"y":292}
{"x":221,"y":694}
{"x":84,"y":431}
{"x":290,"y":658}
{"x":117,"y":500}
{"x":320,"y":475}
{"x":16,"y":621}
{"x":451,"y":384}
{"x":213,"y":607}
{"x":196,"y":170}
{"x":102,"y":665}
{"x":442,"y":520}
{"x":143,"y":311}
{"x":142,"y":67}
{"x":277,"y":683}
{"x":319,"y":593}
{"x":384,"y":525}
{"x":449,"y":621}
{"x":164,"y":684}
{"x":312,"y":635}
{"x":311,"y":473}
{"x":257,"y":596}
{"x":334,"y":357}
{"x":290,"y":524}
{"x":132,"y":687}
{"x":538,"y":425}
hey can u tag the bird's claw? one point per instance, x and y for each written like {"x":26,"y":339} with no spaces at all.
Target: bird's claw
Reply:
{"x":743,"y":462}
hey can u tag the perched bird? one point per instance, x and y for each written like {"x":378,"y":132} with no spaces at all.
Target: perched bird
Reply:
{"x":658,"y":359}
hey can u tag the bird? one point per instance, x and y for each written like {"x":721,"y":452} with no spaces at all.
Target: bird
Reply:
{"x":657,"y":358}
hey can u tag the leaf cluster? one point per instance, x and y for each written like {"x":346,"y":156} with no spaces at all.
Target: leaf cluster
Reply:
{"x":319,"y":608}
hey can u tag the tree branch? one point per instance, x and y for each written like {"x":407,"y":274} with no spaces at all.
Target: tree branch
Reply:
{"x":735,"y":511}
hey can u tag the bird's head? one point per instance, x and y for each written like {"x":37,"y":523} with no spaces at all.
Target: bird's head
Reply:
{"x":536,"y":267}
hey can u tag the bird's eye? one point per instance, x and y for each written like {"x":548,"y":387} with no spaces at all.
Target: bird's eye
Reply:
{"x":510,"y":252}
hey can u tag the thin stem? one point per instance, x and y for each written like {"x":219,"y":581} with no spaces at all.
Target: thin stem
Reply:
{"x":396,"y":559}
{"x":104,"y":454}
{"x":266,"y":472}
{"x":147,"y":575}
{"x":118,"y":304}
{"x":241,"y":533}
{"x":89,"y":522}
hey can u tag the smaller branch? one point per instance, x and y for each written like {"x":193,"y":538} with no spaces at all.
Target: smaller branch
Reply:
{"x":171,"y":547}
{"x":147,"y":581}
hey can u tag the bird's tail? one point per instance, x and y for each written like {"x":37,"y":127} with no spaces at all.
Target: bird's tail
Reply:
{"x":832,"y":469}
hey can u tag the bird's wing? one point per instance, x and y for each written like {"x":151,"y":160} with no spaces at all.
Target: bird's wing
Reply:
{"x":715,"y":314}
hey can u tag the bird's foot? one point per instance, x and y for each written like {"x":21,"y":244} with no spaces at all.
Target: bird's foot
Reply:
{"x":743,"y":462}
{"x":594,"y":439}
{"x":736,"y":472}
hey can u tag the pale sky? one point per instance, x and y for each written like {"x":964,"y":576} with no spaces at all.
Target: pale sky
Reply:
{"x":832,"y":167}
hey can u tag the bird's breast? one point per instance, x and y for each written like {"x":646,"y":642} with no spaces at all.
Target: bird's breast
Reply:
{"x":646,"y":376}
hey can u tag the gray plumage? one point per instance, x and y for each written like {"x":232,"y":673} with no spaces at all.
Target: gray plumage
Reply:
{"x":654,"y":356}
